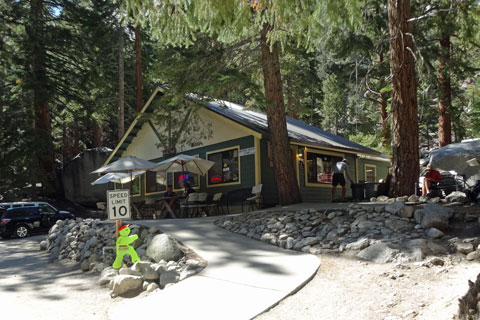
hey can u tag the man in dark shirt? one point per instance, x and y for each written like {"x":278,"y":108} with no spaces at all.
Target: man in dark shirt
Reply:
{"x":339,"y":169}
{"x":169,"y":193}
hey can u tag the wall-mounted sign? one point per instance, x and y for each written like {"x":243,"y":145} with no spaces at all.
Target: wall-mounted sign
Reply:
{"x":247,"y":151}
{"x":118,"y":202}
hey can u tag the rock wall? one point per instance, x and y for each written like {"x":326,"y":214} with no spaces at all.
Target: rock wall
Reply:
{"x":393,"y":232}
{"x":164,"y":260}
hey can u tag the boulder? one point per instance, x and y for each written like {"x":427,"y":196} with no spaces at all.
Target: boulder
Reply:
{"x":456,"y":196}
{"x":413,"y":198}
{"x":434,"y":233}
{"x":395,"y":208}
{"x":433,"y":216}
{"x":398,"y":225}
{"x":475,"y":255}
{"x":130,"y":272}
{"x":152,"y":287}
{"x":382,"y":199}
{"x":43,"y":245}
{"x":407,"y":212}
{"x":162,"y":247}
{"x":463,"y":247}
{"x":379,"y":252}
{"x":122,"y":284}
{"x":171,"y":276}
{"x":360,"y":244}
{"x":85,"y":266}
{"x":107,"y":275}
{"x":151,"y":275}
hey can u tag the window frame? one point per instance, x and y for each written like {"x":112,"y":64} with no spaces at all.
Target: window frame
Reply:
{"x":145,"y":183}
{"x":321,"y":153}
{"x":372,"y":166}
{"x":209,"y":185}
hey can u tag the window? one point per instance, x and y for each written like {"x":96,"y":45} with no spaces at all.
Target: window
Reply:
{"x":370,"y":173}
{"x":45,"y":208}
{"x":319,"y":167}
{"x":155,"y":181}
{"x":179,"y":179}
{"x":136,"y":185}
{"x":226,"y":167}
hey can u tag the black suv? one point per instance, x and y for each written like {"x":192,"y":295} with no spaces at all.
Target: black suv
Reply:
{"x":25,"y":220}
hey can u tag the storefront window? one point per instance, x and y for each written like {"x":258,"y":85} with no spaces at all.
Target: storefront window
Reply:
{"x":155,"y":181}
{"x":226,"y":167}
{"x":319,"y":167}
{"x":135,"y":187}
{"x":179,"y":179}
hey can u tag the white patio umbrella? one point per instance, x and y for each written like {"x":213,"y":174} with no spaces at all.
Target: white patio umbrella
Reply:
{"x":116,"y":177}
{"x":129,"y":164}
{"x":184,"y":163}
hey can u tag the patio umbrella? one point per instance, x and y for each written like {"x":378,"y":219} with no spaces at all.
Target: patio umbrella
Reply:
{"x":116,"y":177}
{"x":184,"y":163}
{"x":129,"y":164}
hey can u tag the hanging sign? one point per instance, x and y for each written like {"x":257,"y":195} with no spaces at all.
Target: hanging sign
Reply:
{"x":118,"y":202}
{"x":247,"y":151}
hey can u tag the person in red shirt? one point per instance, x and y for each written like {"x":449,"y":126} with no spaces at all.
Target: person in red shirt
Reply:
{"x":432,"y":177}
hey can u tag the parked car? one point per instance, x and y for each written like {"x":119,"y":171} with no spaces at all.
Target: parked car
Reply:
{"x":19,"y":204}
{"x":22,"y":221}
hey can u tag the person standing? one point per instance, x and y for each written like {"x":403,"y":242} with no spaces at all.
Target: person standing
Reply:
{"x":339,"y":169}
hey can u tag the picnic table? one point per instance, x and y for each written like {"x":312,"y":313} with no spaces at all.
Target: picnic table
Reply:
{"x":165,"y":205}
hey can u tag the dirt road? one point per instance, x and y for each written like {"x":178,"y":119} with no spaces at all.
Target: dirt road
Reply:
{"x":351,"y":289}
{"x":32,"y":288}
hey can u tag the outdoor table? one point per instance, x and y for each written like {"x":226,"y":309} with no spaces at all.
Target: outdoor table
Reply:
{"x":165,"y":203}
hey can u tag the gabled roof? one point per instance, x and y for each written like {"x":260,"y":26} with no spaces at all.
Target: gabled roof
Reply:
{"x":298,"y":131}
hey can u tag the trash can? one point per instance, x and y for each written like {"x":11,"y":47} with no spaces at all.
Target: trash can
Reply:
{"x":371,"y":189}
{"x":358,"y":190}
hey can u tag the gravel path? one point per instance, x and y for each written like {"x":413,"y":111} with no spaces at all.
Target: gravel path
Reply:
{"x":32,"y":288}
{"x":350,"y":289}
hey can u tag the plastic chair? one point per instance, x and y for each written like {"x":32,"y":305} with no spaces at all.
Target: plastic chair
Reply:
{"x":190,"y":202}
{"x":254,"y":203}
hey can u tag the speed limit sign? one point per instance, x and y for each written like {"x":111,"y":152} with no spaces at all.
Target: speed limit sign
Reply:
{"x":118,"y":202}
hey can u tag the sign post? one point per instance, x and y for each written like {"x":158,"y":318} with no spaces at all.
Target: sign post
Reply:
{"x":118,"y":206}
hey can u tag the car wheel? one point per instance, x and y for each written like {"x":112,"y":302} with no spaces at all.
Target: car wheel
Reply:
{"x":21,"y":231}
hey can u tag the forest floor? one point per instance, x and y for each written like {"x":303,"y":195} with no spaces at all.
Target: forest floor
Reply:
{"x":345,"y":287}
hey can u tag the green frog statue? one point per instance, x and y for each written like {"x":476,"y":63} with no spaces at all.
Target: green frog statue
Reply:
{"x":123,"y":247}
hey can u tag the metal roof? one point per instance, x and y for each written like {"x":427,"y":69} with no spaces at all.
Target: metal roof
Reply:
{"x":298,"y":131}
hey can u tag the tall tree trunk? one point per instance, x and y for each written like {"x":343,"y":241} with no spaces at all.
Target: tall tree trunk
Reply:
{"x":288,"y":191}
{"x":445,"y":94}
{"x":138,"y":59}
{"x":44,"y":151}
{"x":292,"y":107}
{"x":404,"y":100}
{"x":121,"y":86}
{"x":383,"y":111}
{"x":98,"y":135}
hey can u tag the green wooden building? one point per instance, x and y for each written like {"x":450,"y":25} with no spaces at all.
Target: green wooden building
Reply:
{"x":239,"y":147}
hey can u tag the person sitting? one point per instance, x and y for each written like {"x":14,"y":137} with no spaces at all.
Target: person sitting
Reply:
{"x":432,"y":177}
{"x":188,"y":189}
{"x":169,"y":193}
